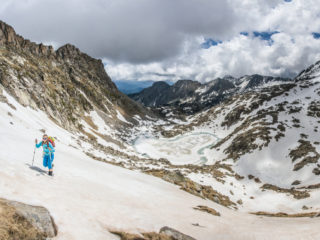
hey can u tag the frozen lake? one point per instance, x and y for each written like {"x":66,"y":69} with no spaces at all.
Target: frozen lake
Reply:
{"x":183,"y":149}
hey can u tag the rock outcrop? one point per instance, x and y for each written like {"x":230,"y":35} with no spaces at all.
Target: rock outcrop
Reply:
{"x":203,"y":191}
{"x":22,"y":221}
{"x":176,"y":235}
{"x":165,"y":233}
{"x":207,"y":210}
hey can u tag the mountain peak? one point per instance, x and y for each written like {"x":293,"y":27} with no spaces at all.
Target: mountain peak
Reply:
{"x":8,"y":37}
{"x":181,"y":81}
{"x":68,"y":50}
{"x":186,"y":83}
{"x":73,"y":54}
{"x":7,"y":34}
{"x":229,"y":77}
{"x":160,"y":84}
{"x":309,"y":73}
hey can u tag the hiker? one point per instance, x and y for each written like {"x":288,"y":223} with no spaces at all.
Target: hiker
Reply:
{"x":47,"y":151}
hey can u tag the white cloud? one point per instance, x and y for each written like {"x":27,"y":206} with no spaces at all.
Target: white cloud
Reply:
{"x":160,"y":39}
{"x":292,"y":50}
{"x":136,"y":31}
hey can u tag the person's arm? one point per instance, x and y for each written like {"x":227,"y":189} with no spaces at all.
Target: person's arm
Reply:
{"x":39,"y":144}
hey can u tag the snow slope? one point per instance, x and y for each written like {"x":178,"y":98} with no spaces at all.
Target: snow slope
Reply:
{"x":87,"y":198}
{"x":267,"y":138}
{"x":294,"y":117}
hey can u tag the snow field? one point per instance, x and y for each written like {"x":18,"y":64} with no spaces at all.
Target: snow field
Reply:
{"x":87,"y":198}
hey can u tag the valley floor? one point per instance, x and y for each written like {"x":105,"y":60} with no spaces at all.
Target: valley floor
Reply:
{"x":184,"y":149}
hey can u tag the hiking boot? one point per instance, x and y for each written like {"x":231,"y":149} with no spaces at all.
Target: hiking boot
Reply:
{"x":50,"y":173}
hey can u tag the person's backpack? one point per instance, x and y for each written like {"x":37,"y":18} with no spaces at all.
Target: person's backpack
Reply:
{"x":51,"y":140}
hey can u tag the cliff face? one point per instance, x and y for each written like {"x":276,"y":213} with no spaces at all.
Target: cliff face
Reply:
{"x":65,"y":83}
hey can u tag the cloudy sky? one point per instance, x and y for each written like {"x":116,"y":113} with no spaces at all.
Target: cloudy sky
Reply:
{"x":177,"y":39}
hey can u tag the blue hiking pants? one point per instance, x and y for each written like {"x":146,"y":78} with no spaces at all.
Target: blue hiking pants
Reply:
{"x":47,"y":162}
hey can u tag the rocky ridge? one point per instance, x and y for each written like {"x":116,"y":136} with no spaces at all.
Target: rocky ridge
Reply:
{"x":274,"y":129}
{"x":189,"y":97}
{"x":66,"y":83}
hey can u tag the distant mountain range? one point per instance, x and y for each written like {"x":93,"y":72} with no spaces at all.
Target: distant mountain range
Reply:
{"x":130,"y":87}
{"x":190,"y":96}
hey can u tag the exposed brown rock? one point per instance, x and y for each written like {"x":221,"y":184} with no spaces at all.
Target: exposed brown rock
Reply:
{"x":234,"y":116}
{"x":314,"y":186}
{"x":287,"y":215}
{"x":295,"y":193}
{"x":238,"y":177}
{"x":303,"y":152}
{"x":192,"y":187}
{"x":316,"y":171}
{"x":21,"y":221}
{"x":165,"y":233}
{"x":296,"y":182}
{"x":207,"y":209}
{"x":240,"y":202}
{"x":314,"y":109}
{"x":175,"y":234}
{"x":257,"y":180}
{"x":245,"y":142}
{"x":142,"y":236}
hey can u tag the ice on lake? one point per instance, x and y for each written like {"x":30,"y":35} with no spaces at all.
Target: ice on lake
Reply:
{"x":183,"y":149}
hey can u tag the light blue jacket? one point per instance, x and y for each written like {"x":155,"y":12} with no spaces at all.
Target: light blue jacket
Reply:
{"x":46,"y":150}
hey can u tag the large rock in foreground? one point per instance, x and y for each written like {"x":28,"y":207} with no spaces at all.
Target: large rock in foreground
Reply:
{"x":22,"y":221}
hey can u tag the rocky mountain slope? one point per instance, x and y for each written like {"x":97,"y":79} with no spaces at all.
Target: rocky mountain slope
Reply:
{"x":66,"y":83}
{"x":189,"y":97}
{"x":269,"y":139}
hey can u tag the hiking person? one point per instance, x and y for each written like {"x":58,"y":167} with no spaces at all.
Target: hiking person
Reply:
{"x":47,"y":150}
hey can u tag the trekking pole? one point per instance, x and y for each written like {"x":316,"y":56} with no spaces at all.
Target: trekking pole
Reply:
{"x":34,"y":152}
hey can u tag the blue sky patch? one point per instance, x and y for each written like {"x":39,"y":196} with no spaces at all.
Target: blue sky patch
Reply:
{"x":244,"y":33}
{"x":209,"y":42}
{"x":264,"y":35}
{"x":316,"y":35}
